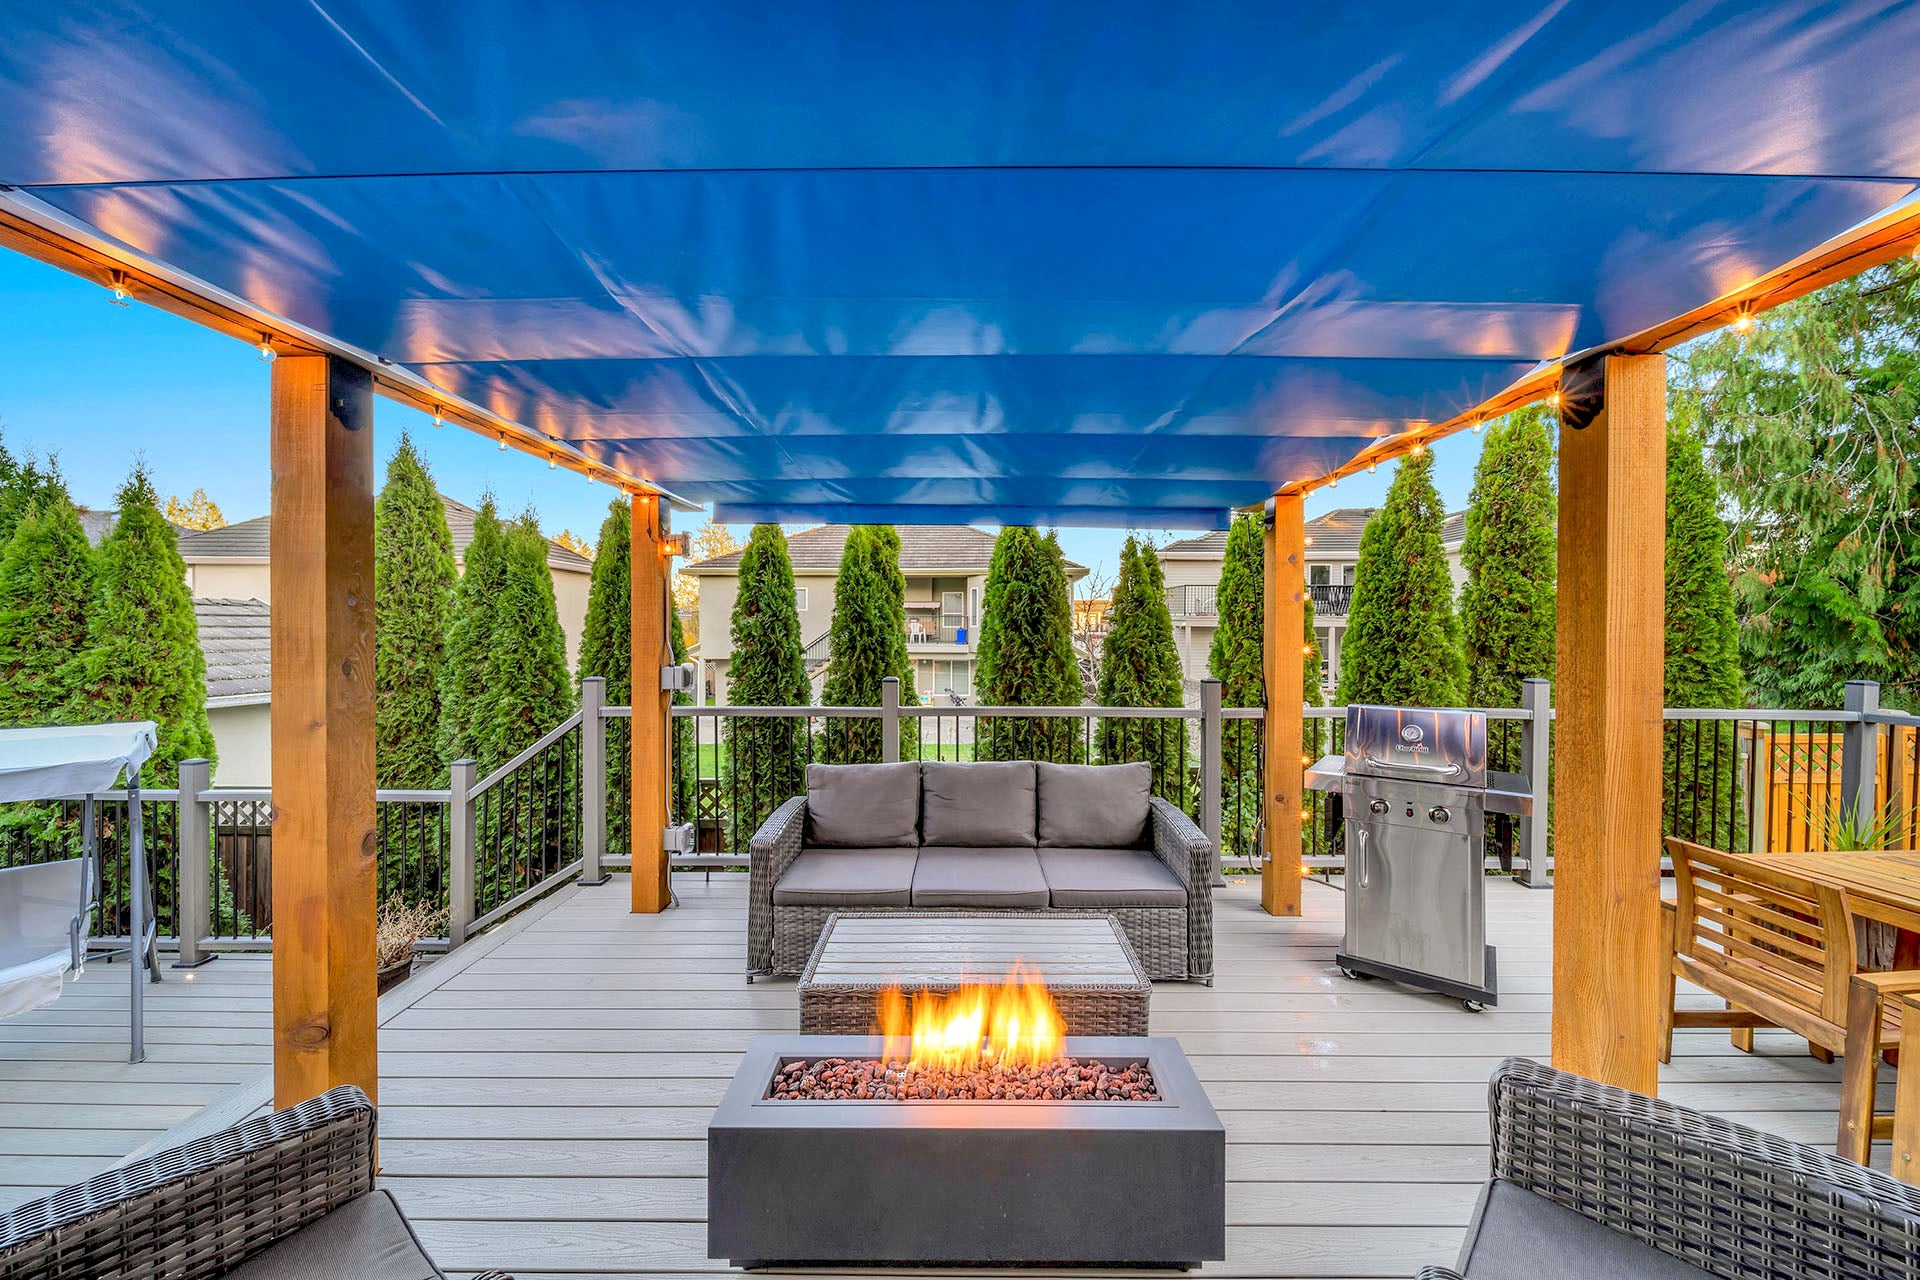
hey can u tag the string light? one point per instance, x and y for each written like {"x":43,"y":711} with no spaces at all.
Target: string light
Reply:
{"x":550,"y":462}
{"x":1419,"y":447}
{"x":119,"y":288}
{"x":1553,"y":399}
{"x":1306,"y":648}
{"x":589,"y":475}
{"x":1372,"y":467}
{"x":1333,"y":482}
{"x":1479,"y":425}
{"x":267,"y":352}
{"x":1309,"y":542}
{"x":439,"y":417}
{"x":1744,"y":322}
{"x":503,"y":442}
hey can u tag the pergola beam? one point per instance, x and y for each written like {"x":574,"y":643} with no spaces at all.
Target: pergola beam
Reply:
{"x":1284,"y":725}
{"x":652,"y":723}
{"x":324,"y":846}
{"x":1610,"y":686}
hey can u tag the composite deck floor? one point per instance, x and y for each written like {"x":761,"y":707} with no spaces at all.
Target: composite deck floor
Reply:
{"x":544,"y":1091}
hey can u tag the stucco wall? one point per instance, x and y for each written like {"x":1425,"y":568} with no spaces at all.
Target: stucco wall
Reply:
{"x":230,"y":581}
{"x":243,"y":739}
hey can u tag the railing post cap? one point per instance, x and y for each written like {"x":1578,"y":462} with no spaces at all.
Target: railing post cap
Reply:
{"x":601,"y":680}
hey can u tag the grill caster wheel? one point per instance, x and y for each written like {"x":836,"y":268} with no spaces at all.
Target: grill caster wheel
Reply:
{"x":1473,"y":1006}
{"x":1356,"y":975}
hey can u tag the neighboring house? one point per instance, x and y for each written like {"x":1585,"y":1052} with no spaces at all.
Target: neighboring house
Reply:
{"x":237,"y":641}
{"x":1333,"y":550}
{"x":946,"y":571}
{"x":231,"y":563}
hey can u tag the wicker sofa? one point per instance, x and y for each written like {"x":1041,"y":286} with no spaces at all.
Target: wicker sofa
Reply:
{"x":993,"y":836}
{"x":1592,"y":1181}
{"x":286,"y":1196}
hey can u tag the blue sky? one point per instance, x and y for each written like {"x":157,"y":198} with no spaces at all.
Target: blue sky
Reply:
{"x":100,"y":385}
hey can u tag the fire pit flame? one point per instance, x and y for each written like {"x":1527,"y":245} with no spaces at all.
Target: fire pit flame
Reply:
{"x":1014,"y":1023}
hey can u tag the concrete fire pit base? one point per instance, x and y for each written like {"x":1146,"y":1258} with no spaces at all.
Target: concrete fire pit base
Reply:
{"x":1039,"y":1183}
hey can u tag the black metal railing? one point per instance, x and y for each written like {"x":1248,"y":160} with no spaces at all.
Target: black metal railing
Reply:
{"x":1331,"y":599}
{"x":527,"y":822}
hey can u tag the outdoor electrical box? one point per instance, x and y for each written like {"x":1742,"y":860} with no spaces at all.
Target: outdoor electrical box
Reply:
{"x":677,"y":679}
{"x":678,"y":839}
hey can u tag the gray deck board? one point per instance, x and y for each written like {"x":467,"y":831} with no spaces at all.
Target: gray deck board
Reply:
{"x":544,"y":1100}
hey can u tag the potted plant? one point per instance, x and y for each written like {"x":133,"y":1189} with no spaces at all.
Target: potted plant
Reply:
{"x":397,"y":930}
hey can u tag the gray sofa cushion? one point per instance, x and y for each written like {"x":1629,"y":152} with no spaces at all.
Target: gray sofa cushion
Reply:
{"x":366,"y":1239}
{"x":847,"y":878}
{"x":996,"y":879}
{"x":1109,"y":878}
{"x":986,"y":805}
{"x":1517,"y":1235}
{"x":1094,"y":806}
{"x":863,"y":806}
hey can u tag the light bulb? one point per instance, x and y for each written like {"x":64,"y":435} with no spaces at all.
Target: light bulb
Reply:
{"x":550,"y":462}
{"x":503,"y":442}
{"x":1309,"y":542}
{"x":119,"y":289}
{"x":266,"y":348}
{"x":1333,"y":482}
{"x":1306,"y":814}
{"x":439,"y":417}
{"x":1553,"y":400}
{"x":1744,"y":322}
{"x":1306,"y":648}
{"x":589,"y":475}
{"x":1419,"y":447}
{"x":1371,"y":466}
{"x":1479,"y":425}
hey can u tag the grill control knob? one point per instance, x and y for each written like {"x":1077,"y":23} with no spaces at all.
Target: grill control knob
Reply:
{"x":1378,"y":806}
{"x":1439,"y":813}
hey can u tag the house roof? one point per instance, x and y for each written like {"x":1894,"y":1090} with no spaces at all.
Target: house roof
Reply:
{"x":236,"y":637}
{"x":924,"y":549}
{"x":248,"y":540}
{"x":1336,"y":535}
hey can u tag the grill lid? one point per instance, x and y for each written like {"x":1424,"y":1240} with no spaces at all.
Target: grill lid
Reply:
{"x":1417,"y":744}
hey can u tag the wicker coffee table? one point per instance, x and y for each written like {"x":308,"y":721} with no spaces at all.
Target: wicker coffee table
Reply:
{"x":1083,"y":957}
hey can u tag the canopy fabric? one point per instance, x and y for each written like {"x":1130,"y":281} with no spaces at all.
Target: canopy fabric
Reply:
{"x":1080,"y":261}
{"x":45,"y":764}
{"x":43,"y":911}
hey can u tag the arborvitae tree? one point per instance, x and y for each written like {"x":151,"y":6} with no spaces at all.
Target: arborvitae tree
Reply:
{"x":1507,"y":604}
{"x":1237,"y":660}
{"x":46,"y":590}
{"x":1403,"y":642}
{"x":1703,"y":655}
{"x":1140,"y":667}
{"x":765,"y":755}
{"x":143,"y":659}
{"x":685,"y":783}
{"x":23,"y":485}
{"x":606,"y":641}
{"x":463,"y":691}
{"x":860,"y":648}
{"x":413,"y":579}
{"x":1026,"y":650}
{"x":885,"y":550}
{"x":527,"y":688}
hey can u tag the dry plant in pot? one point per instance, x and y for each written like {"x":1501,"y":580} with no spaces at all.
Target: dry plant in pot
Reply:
{"x":399,"y":928}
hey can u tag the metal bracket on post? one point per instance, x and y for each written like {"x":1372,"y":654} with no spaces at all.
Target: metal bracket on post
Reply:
{"x":1860,"y":754}
{"x":890,"y":720}
{"x":1536,"y":756}
{"x":194,"y":913}
{"x":461,"y":832}
{"x":677,"y":840}
{"x":677,"y":679}
{"x":593,"y":781}
{"x":1210,"y":770}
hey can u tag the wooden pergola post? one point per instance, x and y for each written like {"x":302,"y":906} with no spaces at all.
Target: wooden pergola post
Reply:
{"x":1284,"y":727}
{"x":1606,"y":790}
{"x":652,"y":723}
{"x":322,"y":728}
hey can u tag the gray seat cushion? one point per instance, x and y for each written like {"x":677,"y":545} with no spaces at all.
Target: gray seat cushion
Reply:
{"x":847,"y":878}
{"x":1517,"y":1235}
{"x":865,"y":806}
{"x":1094,"y":806}
{"x":366,"y":1239}
{"x":995,"y":879}
{"x":1109,"y":878}
{"x":985,"y":805}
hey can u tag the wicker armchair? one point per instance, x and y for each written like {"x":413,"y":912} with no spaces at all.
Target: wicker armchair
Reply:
{"x":1719,"y":1197}
{"x":198,"y":1211}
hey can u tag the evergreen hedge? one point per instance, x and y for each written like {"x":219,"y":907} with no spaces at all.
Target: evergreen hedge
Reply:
{"x":866,"y":642}
{"x":527,"y":687}
{"x":1403,"y":641}
{"x":1140,"y":667}
{"x":413,"y":581}
{"x":46,"y":591}
{"x":1026,"y":651}
{"x":464,"y":691}
{"x":1511,"y":556}
{"x":765,"y":757}
{"x":1703,"y":655}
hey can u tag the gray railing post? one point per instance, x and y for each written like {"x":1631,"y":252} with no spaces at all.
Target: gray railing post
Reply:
{"x":1536,"y":756}
{"x":1210,"y":724}
{"x":193,"y":910}
{"x":593,"y":780}
{"x":1860,"y":754}
{"x":460,"y":851}
{"x":890,"y":720}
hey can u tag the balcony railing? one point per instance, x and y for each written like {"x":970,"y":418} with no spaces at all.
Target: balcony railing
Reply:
{"x":1193,"y":601}
{"x":1331,"y":599}
{"x":1759,"y":780}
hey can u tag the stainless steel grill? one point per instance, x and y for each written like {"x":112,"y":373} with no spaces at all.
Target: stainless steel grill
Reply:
{"x":1414,"y":788}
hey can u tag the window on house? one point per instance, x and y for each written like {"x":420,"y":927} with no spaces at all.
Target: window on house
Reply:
{"x":800,"y":599}
{"x":1346,"y":574}
{"x":1319,"y":575}
{"x":952,"y":677}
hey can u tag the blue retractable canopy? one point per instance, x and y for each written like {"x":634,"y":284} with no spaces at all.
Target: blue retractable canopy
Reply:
{"x":1104,"y":262}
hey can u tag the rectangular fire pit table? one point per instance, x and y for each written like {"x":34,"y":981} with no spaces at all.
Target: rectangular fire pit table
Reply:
{"x":1084,"y":959}
{"x":1038,"y":1182}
